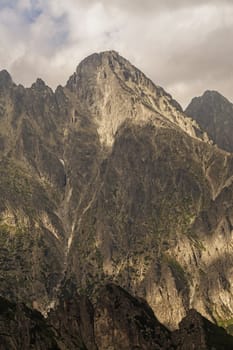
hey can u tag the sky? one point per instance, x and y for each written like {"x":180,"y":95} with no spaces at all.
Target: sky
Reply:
{"x":185,"y":46}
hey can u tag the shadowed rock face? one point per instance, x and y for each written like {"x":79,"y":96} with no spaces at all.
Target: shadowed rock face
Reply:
{"x":73,"y":320}
{"x":107,"y":180}
{"x":22,"y":328}
{"x":214,"y":113}
{"x":124,"y":322}
{"x":196,"y":332}
{"x":118,"y":321}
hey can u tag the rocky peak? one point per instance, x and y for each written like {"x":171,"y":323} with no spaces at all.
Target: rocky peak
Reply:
{"x":102,"y":65}
{"x":215,"y":97}
{"x":211,"y":97}
{"x":91,"y":64}
{"x":41,"y":87}
{"x":213,"y":94}
{"x":214,"y":113}
{"x":115,"y":91}
{"x":5,"y":80}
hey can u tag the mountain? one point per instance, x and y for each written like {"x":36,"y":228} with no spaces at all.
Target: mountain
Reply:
{"x":214,"y":113}
{"x":117,"y":321}
{"x":106,"y":180}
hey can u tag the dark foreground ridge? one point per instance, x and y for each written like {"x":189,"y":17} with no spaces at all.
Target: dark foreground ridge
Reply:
{"x":117,"y":321}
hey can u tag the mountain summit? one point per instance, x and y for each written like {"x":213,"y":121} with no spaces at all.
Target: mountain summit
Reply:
{"x":214,"y":113}
{"x":5,"y":79}
{"x":114,"y":91}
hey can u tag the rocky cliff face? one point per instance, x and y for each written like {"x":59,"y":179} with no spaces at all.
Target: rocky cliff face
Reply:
{"x":214,"y":113}
{"x":32,"y":185}
{"x":107,"y":180}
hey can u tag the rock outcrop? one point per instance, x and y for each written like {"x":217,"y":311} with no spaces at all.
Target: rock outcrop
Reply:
{"x":23,"y":328}
{"x":124,"y":322}
{"x":196,"y":332}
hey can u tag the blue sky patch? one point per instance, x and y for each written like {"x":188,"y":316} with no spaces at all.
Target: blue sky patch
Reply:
{"x":32,"y":13}
{"x":62,"y":33}
{"x":7,"y":3}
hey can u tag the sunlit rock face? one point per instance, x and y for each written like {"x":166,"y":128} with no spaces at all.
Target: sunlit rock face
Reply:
{"x":107,"y":180}
{"x":114,"y":91}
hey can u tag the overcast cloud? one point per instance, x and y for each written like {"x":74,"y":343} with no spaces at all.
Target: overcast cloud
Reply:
{"x":184,"y":46}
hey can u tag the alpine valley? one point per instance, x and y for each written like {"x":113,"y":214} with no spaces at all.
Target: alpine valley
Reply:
{"x":116,"y":214}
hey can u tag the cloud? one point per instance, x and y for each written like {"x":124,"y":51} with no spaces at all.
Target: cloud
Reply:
{"x":185,"y":46}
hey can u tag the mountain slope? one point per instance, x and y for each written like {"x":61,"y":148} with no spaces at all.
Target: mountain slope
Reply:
{"x":214,"y":113}
{"x":109,"y":181}
{"x":151,"y":198}
{"x":32,"y":183}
